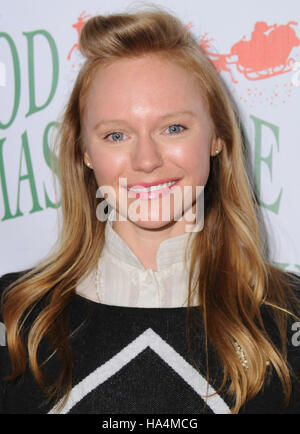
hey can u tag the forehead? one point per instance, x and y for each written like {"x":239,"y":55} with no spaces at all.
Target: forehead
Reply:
{"x":146,"y":84}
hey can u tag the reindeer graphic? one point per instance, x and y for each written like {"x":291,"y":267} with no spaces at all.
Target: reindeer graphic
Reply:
{"x":78,"y":26}
{"x":220,"y":61}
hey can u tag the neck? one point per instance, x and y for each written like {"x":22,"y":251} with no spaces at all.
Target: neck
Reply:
{"x":144,"y":240}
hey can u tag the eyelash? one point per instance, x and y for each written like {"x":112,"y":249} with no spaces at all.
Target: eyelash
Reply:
{"x":173,"y":125}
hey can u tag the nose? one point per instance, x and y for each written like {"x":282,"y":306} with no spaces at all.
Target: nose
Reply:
{"x":146,"y":156}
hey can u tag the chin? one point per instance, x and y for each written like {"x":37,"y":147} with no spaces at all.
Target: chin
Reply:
{"x":153,"y":225}
{"x":151,"y":216}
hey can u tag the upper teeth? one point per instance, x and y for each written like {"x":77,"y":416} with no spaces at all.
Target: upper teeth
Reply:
{"x":154,"y":187}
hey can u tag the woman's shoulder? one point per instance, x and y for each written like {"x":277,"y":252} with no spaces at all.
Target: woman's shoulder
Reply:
{"x":290,"y":282}
{"x":8,"y":278}
{"x":291,"y":306}
{"x":293,"y":280}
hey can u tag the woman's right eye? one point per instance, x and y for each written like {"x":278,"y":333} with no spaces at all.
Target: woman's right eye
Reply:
{"x":116,"y":134}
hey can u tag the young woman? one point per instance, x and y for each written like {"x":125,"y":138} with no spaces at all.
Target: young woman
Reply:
{"x":137,"y":313}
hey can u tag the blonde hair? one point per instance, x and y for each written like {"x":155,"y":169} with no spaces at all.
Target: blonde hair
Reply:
{"x":236,"y":278}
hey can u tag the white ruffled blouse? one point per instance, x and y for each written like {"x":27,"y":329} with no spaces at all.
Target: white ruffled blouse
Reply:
{"x":124,"y":281}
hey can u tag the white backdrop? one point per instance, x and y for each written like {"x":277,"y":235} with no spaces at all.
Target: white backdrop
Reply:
{"x":254,"y":45}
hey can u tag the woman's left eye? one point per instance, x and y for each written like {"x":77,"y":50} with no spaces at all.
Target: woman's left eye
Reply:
{"x":176,"y":129}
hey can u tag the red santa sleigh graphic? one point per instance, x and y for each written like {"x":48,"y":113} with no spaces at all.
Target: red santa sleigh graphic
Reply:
{"x":263,"y":56}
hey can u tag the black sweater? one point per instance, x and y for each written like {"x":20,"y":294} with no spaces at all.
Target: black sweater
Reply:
{"x":129,"y":360}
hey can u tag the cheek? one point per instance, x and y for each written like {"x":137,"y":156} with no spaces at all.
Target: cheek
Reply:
{"x":200,"y":166}
{"x":194,"y":159}
{"x":107,"y":167}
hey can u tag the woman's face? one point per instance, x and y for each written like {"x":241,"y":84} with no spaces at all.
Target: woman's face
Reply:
{"x":146,"y":122}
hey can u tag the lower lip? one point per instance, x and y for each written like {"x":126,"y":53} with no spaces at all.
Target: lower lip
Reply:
{"x":146,"y":195}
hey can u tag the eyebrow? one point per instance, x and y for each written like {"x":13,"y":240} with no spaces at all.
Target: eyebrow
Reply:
{"x":166,"y":116}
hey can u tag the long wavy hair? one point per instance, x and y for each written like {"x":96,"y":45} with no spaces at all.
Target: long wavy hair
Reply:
{"x":235,"y":278}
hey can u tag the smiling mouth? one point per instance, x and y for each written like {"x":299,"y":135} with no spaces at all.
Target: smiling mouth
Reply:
{"x":153,"y":187}
{"x":152,"y":192}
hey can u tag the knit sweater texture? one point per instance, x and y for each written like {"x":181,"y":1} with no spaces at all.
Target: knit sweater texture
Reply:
{"x":131,"y":360}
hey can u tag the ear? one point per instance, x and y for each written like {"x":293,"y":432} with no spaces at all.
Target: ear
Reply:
{"x":87,"y":160}
{"x":216,"y":147}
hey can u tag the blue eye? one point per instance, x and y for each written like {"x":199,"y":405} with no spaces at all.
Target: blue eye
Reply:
{"x":175,"y":128}
{"x":116,"y":134}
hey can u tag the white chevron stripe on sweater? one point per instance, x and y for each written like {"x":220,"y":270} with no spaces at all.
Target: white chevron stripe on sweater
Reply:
{"x":147,"y":339}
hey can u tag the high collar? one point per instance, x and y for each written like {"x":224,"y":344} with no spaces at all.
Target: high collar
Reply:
{"x":170,"y":251}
